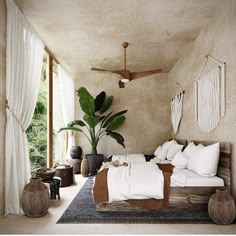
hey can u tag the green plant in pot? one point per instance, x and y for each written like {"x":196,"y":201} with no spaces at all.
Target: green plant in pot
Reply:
{"x":97,"y":122}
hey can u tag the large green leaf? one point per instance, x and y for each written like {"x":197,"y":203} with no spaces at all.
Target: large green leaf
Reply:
{"x":86,"y":101}
{"x":113,"y":117}
{"x":76,"y":122}
{"x":70,"y":128}
{"x":99,"y":100}
{"x":116,"y":123}
{"x":91,"y":120}
{"x":106,"y":117}
{"x":107,"y":104}
{"x":119,"y":138}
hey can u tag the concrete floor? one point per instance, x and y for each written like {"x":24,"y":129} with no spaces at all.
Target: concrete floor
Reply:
{"x":47,"y":225}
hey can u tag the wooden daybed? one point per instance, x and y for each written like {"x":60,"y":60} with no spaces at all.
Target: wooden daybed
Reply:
{"x":193,"y":198}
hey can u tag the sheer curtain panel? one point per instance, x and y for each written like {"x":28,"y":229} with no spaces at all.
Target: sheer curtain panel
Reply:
{"x":66,"y":88}
{"x":23,"y":70}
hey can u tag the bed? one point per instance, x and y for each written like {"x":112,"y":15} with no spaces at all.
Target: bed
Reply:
{"x":175,"y":197}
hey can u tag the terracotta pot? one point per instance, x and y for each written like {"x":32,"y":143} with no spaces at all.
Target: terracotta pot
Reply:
{"x":84,"y":167}
{"x":221,"y":207}
{"x":35,"y":200}
{"x":76,"y":152}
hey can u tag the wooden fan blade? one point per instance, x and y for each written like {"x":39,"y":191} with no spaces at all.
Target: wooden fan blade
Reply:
{"x":121,"y":84}
{"x":137,"y":75}
{"x":98,"y":69}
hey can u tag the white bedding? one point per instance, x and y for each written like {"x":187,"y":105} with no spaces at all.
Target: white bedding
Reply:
{"x":138,"y":180}
{"x":144,"y":180}
{"x":129,"y":158}
{"x":187,"y":178}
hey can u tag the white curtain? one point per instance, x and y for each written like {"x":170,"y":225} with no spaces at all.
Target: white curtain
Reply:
{"x":24,"y":64}
{"x":67,"y":87}
{"x":176,"y":111}
{"x":208,"y":100}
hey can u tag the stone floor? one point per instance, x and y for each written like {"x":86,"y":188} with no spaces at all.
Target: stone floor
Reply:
{"x":47,"y":225}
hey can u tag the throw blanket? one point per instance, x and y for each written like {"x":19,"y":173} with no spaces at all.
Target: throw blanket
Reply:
{"x":100,"y":190}
{"x":138,"y":180}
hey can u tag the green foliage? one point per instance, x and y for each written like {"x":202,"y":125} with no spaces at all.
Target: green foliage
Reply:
{"x":96,"y":124}
{"x":37,"y":131}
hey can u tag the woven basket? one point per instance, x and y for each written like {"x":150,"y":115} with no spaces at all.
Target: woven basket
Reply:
{"x":45,"y":173}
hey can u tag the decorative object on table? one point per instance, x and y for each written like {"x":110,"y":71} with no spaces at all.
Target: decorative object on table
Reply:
{"x":54,"y":186}
{"x":97,"y":123}
{"x":210,"y":96}
{"x":84,"y":167}
{"x":221,"y":207}
{"x":76,"y":152}
{"x":35,"y":199}
{"x":177,"y":109}
{"x":126,"y":74}
{"x":65,"y":172}
{"x":45,"y":173}
{"x":76,"y":163}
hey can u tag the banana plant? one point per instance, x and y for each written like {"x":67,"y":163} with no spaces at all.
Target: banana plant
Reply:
{"x":96,"y":122}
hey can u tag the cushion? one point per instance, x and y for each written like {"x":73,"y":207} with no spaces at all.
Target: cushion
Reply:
{"x":204,"y":160}
{"x":180,"y":161}
{"x":189,"y":150}
{"x":162,"y":155}
{"x":166,"y":144}
{"x":173,"y":149}
{"x":158,"y":151}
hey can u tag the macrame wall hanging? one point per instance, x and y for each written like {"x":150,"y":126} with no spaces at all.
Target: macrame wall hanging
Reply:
{"x":210,"y":96}
{"x":176,"y":109}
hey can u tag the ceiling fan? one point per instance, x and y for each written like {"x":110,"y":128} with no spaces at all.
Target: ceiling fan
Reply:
{"x":127,"y":75}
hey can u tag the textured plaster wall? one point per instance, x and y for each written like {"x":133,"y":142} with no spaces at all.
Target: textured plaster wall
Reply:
{"x":2,"y":98}
{"x":219,"y":40}
{"x":147,"y":120}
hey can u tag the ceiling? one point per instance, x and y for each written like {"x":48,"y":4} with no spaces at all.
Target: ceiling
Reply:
{"x":89,"y":33}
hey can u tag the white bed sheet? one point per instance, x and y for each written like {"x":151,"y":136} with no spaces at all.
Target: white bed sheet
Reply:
{"x":192,"y":179}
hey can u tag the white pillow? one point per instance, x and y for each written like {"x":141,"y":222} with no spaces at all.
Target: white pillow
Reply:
{"x":162,"y":155}
{"x":173,"y":149}
{"x":189,"y":150}
{"x":158,"y":151}
{"x":167,"y":144}
{"x":180,"y":161}
{"x":204,"y":161}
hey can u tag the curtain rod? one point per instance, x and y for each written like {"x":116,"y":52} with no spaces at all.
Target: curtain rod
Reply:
{"x":51,"y":54}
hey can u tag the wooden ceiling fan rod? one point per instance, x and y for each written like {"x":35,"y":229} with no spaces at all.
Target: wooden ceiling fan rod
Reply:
{"x":125,"y":45}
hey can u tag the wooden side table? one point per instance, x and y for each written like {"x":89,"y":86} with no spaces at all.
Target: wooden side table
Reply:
{"x":65,"y":172}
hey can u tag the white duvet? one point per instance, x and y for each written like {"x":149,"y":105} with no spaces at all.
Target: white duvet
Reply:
{"x":138,"y":180}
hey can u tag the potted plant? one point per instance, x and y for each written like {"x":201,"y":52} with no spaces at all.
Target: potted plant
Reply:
{"x":96,"y":124}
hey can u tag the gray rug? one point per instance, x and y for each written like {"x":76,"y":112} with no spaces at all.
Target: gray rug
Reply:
{"x":82,"y":211}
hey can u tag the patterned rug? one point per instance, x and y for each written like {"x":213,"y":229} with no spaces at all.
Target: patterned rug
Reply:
{"x":82,"y":211}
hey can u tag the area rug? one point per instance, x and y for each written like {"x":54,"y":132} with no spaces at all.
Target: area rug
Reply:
{"x":82,"y":210}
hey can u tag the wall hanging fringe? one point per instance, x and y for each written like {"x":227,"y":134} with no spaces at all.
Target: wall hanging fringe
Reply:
{"x":210,"y":96}
{"x":177,"y":109}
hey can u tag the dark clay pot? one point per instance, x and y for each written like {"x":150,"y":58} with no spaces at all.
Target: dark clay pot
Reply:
{"x":76,"y":152}
{"x":94,"y":162}
{"x":35,"y":199}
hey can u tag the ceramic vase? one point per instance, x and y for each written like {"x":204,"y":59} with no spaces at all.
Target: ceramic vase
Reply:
{"x":221,"y":207}
{"x":75,"y":152}
{"x":35,"y":199}
{"x":84,"y":167}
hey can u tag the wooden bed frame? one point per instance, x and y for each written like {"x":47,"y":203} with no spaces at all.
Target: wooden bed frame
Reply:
{"x":192,"y":198}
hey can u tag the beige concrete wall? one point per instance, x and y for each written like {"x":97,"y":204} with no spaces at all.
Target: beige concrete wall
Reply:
{"x":2,"y":98}
{"x":147,"y":120}
{"x":219,"y":40}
